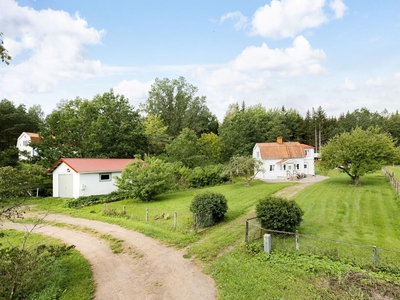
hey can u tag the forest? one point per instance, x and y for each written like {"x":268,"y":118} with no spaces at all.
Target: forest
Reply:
{"x":174,"y":124}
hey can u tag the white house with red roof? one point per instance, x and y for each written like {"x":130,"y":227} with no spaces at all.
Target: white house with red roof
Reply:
{"x":288,"y":160}
{"x":24,"y":142}
{"x":75,"y":177}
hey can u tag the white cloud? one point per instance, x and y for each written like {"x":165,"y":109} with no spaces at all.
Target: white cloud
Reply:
{"x":299,"y":59}
{"x":241,"y":20}
{"x":136,"y":91}
{"x":287,"y":18}
{"x":338,"y":8}
{"x":348,"y":85}
{"x":46,"y":46}
{"x":379,"y":81}
{"x":397,"y":76}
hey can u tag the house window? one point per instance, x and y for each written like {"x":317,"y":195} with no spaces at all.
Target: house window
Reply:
{"x":305,"y":166}
{"x":25,"y":143}
{"x":105,"y":177}
{"x":298,"y":167}
{"x":271,"y":167}
{"x":258,"y":154}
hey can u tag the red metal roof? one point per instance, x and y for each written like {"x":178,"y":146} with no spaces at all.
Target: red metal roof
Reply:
{"x":93,"y":165}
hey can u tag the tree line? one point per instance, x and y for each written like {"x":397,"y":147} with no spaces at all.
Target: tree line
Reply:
{"x":174,"y":123}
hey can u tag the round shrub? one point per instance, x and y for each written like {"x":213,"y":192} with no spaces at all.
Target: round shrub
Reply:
{"x":209,"y":207}
{"x":278,"y":213}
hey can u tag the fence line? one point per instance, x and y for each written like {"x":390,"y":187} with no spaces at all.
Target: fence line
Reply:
{"x":363,"y":255}
{"x":161,"y":218}
{"x":395,"y":183}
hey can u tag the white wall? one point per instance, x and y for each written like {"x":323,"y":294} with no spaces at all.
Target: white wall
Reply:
{"x":90,"y":184}
{"x":21,"y":147}
{"x":63,"y":169}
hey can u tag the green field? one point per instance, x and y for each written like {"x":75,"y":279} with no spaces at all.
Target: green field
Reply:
{"x":364,"y":215}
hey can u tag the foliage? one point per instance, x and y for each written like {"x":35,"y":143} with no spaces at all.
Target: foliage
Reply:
{"x":156,"y":133}
{"x":210,"y":208}
{"x":5,"y":57}
{"x":27,"y":274}
{"x":184,"y":148}
{"x":245,"y":167}
{"x":108,"y":127}
{"x":95,"y":199}
{"x":359,"y":152}
{"x":209,"y":175}
{"x":175,"y":101}
{"x":20,"y":181}
{"x":210,"y":146}
{"x":278,"y":213}
{"x":9,"y":157}
{"x":146,"y":179}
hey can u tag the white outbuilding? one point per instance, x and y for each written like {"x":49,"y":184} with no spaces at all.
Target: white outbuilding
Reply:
{"x":75,"y":177}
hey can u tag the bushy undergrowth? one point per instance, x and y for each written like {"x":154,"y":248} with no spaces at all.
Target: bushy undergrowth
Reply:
{"x":96,"y":199}
{"x":209,"y":175}
{"x":210,"y":208}
{"x":278,"y":213}
{"x":32,"y":274}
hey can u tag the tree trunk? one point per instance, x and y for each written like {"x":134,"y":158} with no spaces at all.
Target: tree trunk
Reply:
{"x":355,"y":179}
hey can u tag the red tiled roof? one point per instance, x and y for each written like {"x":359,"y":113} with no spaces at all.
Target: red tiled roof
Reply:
{"x":281,"y":150}
{"x":93,"y":165}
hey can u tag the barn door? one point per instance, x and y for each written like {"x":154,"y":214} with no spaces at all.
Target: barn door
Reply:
{"x":65,"y":185}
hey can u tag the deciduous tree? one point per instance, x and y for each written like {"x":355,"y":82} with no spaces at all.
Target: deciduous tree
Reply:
{"x":176,"y":102}
{"x":359,"y":152}
{"x":245,"y":167}
{"x":146,"y":179}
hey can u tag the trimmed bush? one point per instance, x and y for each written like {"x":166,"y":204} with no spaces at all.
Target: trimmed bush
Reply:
{"x":210,"y":208}
{"x":278,"y":213}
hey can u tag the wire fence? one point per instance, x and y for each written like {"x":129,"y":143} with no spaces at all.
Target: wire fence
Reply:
{"x":166,"y":219}
{"x":364,"y":256}
{"x":395,"y":183}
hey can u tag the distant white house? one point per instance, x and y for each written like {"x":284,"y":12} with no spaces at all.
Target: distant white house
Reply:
{"x":24,"y":144}
{"x":284,"y":159}
{"x":75,"y":177}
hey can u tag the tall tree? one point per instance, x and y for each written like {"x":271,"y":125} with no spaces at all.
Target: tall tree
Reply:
{"x":359,"y":152}
{"x":185,"y":148}
{"x":108,"y":126}
{"x":175,"y":101}
{"x":156,"y":133}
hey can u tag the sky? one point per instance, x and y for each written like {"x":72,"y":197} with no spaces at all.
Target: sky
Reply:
{"x":341,"y":55}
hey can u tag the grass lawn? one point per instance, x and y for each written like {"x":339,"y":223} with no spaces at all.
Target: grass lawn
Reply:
{"x":367,"y":214}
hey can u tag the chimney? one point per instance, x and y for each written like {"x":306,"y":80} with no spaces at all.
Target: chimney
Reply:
{"x":279,"y":140}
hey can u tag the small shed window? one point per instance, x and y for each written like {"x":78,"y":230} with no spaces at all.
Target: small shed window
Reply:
{"x":105,"y":177}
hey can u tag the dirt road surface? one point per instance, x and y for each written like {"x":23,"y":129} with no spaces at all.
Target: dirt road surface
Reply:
{"x":146,"y":270}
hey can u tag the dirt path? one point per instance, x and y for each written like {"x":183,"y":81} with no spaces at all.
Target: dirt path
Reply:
{"x":148,"y":270}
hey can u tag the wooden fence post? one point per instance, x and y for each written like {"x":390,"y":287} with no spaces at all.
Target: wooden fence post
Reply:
{"x":105,"y":206}
{"x":195,"y":222}
{"x":374,"y":256}
{"x":124,"y":209}
{"x":246,"y":238}
{"x":175,"y":219}
{"x":147,"y":214}
{"x":297,"y":241}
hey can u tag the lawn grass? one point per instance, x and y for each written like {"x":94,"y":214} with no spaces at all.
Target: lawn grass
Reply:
{"x":75,"y":278}
{"x":395,"y":170}
{"x":367,"y":214}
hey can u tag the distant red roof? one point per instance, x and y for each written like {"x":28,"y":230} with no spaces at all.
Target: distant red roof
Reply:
{"x":93,"y":165}
{"x":280,"y":150}
{"x":34,"y":137}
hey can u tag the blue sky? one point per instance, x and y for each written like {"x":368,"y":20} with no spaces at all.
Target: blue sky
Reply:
{"x":338,"y":54}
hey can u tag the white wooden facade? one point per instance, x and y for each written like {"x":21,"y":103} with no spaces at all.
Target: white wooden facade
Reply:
{"x":24,"y":145}
{"x":284,"y":160}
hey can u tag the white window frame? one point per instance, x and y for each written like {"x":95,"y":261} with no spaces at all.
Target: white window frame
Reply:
{"x":104,"y":179}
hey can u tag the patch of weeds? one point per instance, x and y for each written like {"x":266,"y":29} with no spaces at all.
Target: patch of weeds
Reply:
{"x":116,"y":245}
{"x":186,"y":256}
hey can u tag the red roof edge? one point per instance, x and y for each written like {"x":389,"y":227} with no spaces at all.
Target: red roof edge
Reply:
{"x":56,"y":164}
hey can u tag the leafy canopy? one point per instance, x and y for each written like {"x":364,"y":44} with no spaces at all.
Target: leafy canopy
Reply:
{"x":245,"y":167}
{"x":359,"y":152}
{"x":146,"y":179}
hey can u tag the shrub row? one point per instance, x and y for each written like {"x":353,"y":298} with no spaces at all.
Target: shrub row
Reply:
{"x":96,"y":199}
